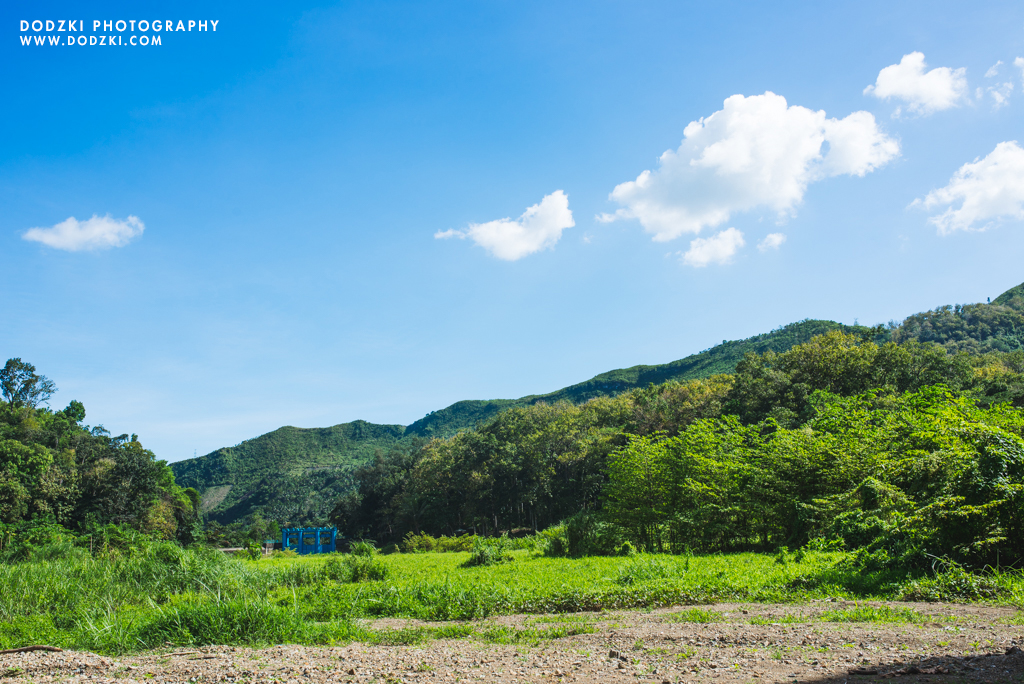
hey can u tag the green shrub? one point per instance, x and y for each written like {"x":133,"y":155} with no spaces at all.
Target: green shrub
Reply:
{"x":422,"y":543}
{"x":490,"y":552}
{"x":253,"y":552}
{"x":367,"y":569}
{"x":362,"y":548}
{"x":589,"y":534}
{"x":556,"y":544}
{"x":418,"y":543}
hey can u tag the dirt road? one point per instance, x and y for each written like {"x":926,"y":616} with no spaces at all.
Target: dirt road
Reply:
{"x":749,"y":643}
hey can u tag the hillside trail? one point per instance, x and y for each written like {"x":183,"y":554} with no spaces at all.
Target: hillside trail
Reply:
{"x":750,"y":643}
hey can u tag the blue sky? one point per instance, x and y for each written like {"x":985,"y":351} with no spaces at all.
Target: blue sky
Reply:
{"x":352,"y":210}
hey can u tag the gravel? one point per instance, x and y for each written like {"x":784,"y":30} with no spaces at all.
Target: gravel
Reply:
{"x":951,"y":643}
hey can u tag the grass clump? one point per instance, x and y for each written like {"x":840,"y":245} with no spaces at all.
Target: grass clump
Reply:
{"x":644,"y":568}
{"x":698,"y":615}
{"x":886,"y":614}
{"x":776,"y":620}
{"x":957,"y":584}
{"x":490,"y":552}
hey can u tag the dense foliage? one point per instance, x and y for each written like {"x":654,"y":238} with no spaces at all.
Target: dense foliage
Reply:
{"x":295,"y":476}
{"x":54,"y":470}
{"x":897,"y":449}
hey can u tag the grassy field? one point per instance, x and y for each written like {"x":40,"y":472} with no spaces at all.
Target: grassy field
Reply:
{"x":165,"y":595}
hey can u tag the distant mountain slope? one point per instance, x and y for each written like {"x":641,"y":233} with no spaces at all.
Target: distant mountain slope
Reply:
{"x":721,"y":358}
{"x":295,"y":475}
{"x":291,"y":474}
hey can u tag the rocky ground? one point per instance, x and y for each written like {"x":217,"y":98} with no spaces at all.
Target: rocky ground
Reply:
{"x":751,"y":643}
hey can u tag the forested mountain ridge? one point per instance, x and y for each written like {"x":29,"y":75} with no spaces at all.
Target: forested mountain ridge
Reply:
{"x":295,"y":475}
{"x":721,"y":358}
{"x":292,"y":475}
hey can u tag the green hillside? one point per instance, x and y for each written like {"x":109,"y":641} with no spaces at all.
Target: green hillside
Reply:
{"x":295,"y":476}
{"x":721,"y":358}
{"x":291,"y":475}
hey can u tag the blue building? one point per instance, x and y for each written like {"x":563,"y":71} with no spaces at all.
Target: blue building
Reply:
{"x":305,"y":540}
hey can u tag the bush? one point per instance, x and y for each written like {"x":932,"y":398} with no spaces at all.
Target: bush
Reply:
{"x":423,"y":543}
{"x":362,"y":548}
{"x":353,"y":568}
{"x":418,"y":543}
{"x":366,"y":568}
{"x":555,"y":542}
{"x":584,"y":534}
{"x":490,"y":552}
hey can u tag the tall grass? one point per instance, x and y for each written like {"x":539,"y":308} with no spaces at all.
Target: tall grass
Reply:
{"x":160,"y":593}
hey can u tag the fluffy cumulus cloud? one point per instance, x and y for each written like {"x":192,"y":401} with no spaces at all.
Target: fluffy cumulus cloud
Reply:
{"x":771,"y":241}
{"x":540,"y":227}
{"x":923,"y":91}
{"x":717,"y":249}
{"x":99,"y":232}
{"x":755,"y":152}
{"x":981,"y":192}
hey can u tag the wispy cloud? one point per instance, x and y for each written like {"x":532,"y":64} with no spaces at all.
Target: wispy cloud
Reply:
{"x":540,"y":227}
{"x":771,"y":241}
{"x":99,"y":232}
{"x":993,"y":70}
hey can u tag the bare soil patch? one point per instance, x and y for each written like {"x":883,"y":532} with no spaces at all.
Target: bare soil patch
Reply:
{"x":746,"y":643}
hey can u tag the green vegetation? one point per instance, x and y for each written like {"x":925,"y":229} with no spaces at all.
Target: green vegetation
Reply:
{"x":890,"y":460}
{"x":152,"y":594}
{"x":888,"y":449}
{"x":698,"y":615}
{"x":295,"y":476}
{"x":291,"y":475}
{"x":873,"y":614}
{"x":58,"y":474}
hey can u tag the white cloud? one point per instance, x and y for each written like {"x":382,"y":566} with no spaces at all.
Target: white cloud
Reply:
{"x":717,"y":249}
{"x":99,"y":232}
{"x":1000,"y":94}
{"x":924,"y":92}
{"x":987,"y":189}
{"x":771,"y":241}
{"x":755,"y":152}
{"x":993,"y":70}
{"x":540,"y":227}
{"x":1019,"y":63}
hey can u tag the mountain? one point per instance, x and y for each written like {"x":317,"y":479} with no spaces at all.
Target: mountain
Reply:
{"x":291,"y":474}
{"x":721,"y":358}
{"x":294,"y":475}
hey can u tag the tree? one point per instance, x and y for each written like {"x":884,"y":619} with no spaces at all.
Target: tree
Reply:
{"x":21,"y":386}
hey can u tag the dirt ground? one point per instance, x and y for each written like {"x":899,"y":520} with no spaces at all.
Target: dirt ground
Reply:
{"x":962,"y":644}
